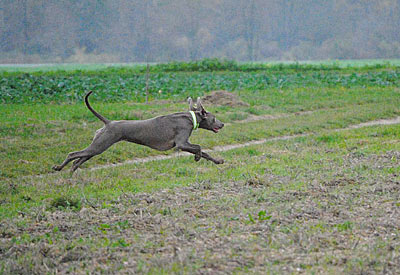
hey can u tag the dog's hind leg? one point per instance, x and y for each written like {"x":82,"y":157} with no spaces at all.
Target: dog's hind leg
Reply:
{"x":70,"y":157}
{"x":79,"y":162}
{"x":101,"y":142}
{"x":93,"y":150}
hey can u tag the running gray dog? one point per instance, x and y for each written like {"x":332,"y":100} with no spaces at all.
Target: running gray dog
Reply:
{"x":161,"y":133}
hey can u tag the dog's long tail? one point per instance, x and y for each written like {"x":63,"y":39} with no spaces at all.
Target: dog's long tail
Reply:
{"x":106,"y":121}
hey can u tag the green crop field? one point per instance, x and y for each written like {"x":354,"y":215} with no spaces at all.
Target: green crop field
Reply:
{"x":317,"y":195}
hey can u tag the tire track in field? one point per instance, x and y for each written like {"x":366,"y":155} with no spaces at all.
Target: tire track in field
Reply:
{"x":224,"y":148}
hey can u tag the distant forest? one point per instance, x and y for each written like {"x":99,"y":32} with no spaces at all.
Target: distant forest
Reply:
{"x":34,"y":31}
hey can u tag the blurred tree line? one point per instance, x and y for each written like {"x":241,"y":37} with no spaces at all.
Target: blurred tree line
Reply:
{"x":163,"y":30}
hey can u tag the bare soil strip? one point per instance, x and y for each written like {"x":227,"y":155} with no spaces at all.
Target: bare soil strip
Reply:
{"x":241,"y":145}
{"x":395,"y":120}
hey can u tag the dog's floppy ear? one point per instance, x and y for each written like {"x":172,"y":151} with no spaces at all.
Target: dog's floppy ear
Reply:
{"x":191,"y":107}
{"x":200,"y":107}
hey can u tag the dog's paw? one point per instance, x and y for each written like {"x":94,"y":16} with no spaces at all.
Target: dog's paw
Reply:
{"x":219,"y":161}
{"x":197,"y":157}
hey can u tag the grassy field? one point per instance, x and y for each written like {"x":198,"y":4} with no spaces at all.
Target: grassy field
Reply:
{"x":324,"y":202}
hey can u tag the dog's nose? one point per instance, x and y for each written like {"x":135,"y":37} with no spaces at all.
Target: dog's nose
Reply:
{"x":222,"y":125}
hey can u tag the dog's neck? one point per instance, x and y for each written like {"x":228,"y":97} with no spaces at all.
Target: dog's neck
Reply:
{"x":196,"y":121}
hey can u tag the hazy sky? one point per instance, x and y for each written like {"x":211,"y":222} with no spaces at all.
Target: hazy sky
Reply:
{"x":135,"y":31}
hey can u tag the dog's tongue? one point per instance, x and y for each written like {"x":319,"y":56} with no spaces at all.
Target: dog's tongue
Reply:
{"x":216,"y":130}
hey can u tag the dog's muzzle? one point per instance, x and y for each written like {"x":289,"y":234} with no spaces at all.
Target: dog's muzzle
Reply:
{"x":216,"y":129}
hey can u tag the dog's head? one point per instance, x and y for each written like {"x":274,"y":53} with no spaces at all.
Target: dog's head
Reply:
{"x":208,"y":121}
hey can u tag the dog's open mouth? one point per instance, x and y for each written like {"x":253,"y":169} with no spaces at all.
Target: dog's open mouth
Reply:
{"x":216,"y":129}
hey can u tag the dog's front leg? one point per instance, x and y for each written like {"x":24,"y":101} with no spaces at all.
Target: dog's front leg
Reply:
{"x":208,"y":157}
{"x":191,"y":148}
{"x":196,"y":150}
{"x":183,"y":144}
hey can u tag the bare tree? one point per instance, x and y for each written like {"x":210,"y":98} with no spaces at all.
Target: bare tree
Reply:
{"x":250,"y":28}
